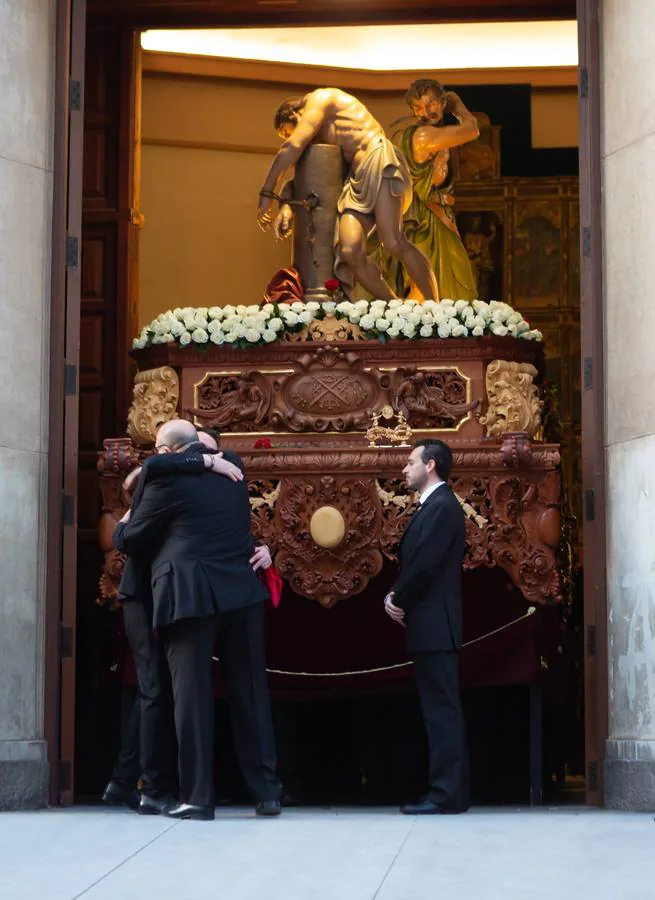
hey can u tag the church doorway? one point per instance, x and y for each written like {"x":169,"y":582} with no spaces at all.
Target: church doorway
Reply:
{"x":331,"y":739}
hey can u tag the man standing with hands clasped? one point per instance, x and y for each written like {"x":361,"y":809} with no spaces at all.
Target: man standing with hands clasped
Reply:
{"x":426,"y":600}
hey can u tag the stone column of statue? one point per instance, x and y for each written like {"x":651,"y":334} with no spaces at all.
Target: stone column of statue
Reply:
{"x":376,"y":193}
{"x":317,"y":186}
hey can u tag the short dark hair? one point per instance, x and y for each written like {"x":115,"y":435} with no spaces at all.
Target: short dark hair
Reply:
{"x":421,"y":86}
{"x":285,"y":111}
{"x":213,"y":433}
{"x":440,"y":453}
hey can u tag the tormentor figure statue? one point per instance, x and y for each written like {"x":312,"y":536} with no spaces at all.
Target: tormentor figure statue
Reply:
{"x":376,"y":193}
{"x":430,"y":220}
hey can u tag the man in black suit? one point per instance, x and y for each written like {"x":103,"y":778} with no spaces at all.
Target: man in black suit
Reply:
{"x":196,"y":535}
{"x":426,"y":599}
{"x":147,"y":752}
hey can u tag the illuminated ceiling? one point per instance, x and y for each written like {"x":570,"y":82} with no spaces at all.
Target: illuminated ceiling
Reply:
{"x":492,"y":45}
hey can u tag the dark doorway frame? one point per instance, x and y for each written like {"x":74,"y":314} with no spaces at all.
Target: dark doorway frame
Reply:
{"x":64,"y":368}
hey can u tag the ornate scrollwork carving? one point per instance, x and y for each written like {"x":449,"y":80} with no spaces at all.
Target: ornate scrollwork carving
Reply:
{"x":263,"y":497}
{"x":513,"y":400}
{"x":432,"y":399}
{"x":322,"y":573}
{"x":327,"y":330}
{"x":154,"y":401}
{"x":232,"y":402}
{"x":329,"y":391}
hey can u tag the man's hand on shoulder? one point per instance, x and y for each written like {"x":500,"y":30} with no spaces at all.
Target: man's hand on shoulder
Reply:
{"x":216,"y":463}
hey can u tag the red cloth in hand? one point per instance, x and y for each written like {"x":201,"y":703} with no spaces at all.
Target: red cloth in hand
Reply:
{"x":272,"y":581}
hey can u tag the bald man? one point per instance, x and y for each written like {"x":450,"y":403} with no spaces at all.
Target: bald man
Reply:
{"x":196,"y":533}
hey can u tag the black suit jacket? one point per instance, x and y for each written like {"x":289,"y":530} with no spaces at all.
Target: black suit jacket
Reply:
{"x":195,"y":532}
{"x":429,"y":582}
{"x":135,"y":581}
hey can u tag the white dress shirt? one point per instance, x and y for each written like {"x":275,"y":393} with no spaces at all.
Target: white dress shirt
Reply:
{"x":429,"y":490}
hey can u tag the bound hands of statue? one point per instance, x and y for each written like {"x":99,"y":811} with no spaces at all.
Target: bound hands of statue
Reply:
{"x":283,"y":223}
{"x":264,"y":216}
{"x":393,"y":611}
{"x":216,"y":463}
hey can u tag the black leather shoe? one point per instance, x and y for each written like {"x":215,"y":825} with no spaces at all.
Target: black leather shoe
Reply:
{"x":425,"y":808}
{"x":151,"y":805}
{"x":189,"y":811}
{"x":117,"y":795}
{"x":268,"y":808}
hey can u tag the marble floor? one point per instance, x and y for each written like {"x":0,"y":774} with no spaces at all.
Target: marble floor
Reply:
{"x":328,"y":854}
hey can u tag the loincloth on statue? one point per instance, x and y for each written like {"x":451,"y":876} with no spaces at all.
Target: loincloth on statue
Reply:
{"x":383,"y":163}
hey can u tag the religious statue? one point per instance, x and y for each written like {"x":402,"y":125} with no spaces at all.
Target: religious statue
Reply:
{"x":478,"y":247}
{"x":376,"y":193}
{"x":430,"y":220}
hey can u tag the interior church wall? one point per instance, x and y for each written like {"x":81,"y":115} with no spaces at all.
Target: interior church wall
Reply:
{"x":27,"y":42}
{"x":206,"y":147}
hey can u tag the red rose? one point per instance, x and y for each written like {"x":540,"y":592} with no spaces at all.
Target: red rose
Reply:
{"x":263,"y":444}
{"x":332,"y":285}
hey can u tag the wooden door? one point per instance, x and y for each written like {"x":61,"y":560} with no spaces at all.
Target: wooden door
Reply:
{"x":593,"y":419}
{"x":107,"y":325}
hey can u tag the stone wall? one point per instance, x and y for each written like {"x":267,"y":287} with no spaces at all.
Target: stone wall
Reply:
{"x":27,"y":59}
{"x":628,"y":153}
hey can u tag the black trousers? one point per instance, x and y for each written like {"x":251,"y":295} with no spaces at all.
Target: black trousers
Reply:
{"x":437,"y":679}
{"x":239,"y":636}
{"x":127,"y":770}
{"x":151,"y":724}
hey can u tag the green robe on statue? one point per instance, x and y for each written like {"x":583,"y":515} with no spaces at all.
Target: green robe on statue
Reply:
{"x":430,"y":225}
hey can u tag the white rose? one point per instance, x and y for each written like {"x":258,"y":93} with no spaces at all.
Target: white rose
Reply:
{"x":239,"y":330}
{"x":252,"y":335}
{"x":377,"y":307}
{"x":354,"y":317}
{"x":427,"y":319}
{"x":480,"y":306}
{"x":345,"y":307}
{"x":444,"y":330}
{"x":394,"y":331}
{"x":268,"y":308}
{"x":522,"y":327}
{"x":250,"y":322}
{"x":283,"y":307}
{"x":429,"y":304}
{"x":297,"y":306}
{"x":394,"y":304}
{"x":367,"y":322}
{"x":214,"y":327}
{"x":382,"y":324}
{"x":189,"y":322}
{"x":313,"y":306}
{"x":329,"y":306}
{"x":139,"y":344}
{"x":413,"y":318}
{"x":426,"y":331}
{"x":513,"y":330}
{"x":230,"y":337}
{"x":498,"y":329}
{"x":276,"y":324}
{"x":177,"y":312}
{"x":229,"y":310}
{"x":409,"y":330}
{"x":200,"y":336}
{"x":477,"y":331}
{"x":290,"y":318}
{"x":241,"y":310}
{"x":185,"y":338}
{"x":306,"y":316}
{"x":515,"y":318}
{"x":362,"y":306}
{"x":391,"y":314}
{"x":215,"y":312}
{"x":268,"y":335}
{"x":460,"y":331}
{"x":217,"y":337}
